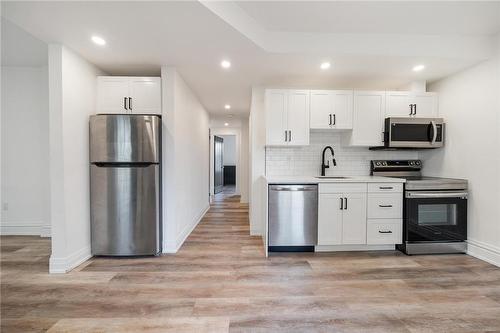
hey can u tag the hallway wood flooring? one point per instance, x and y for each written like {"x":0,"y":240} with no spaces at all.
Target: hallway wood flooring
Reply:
{"x":220,"y":281}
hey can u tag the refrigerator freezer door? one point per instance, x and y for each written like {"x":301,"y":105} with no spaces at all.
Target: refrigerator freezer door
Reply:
{"x":124,"y":139}
{"x":125,"y":210}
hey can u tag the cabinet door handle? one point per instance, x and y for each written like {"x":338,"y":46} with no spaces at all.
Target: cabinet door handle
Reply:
{"x":330,"y":119}
{"x":286,"y":136}
{"x":385,"y":206}
{"x":289,"y":135}
{"x":414,"y":109}
{"x":411,"y":109}
{"x":341,"y":204}
{"x":130,"y":103}
{"x":334,"y":119}
{"x":385,"y":187}
{"x":125,"y":103}
{"x":385,"y":232}
{"x":345,"y":205}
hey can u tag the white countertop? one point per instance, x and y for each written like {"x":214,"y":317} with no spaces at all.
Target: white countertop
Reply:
{"x":314,"y":180}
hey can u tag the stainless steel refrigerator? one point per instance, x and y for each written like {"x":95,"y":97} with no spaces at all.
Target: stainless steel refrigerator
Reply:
{"x":125,"y":197}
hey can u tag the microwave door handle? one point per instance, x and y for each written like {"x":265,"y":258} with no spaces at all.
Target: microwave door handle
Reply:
{"x":434,"y":132}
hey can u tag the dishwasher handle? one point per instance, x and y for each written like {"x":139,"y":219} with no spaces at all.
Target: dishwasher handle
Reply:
{"x":297,"y":188}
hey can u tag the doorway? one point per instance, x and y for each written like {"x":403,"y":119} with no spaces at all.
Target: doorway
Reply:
{"x":218,"y":164}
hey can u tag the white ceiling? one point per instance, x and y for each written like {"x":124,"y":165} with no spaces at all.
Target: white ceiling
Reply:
{"x":372,"y":45}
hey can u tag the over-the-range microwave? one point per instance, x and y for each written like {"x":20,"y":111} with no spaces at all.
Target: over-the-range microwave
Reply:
{"x":415,"y":133}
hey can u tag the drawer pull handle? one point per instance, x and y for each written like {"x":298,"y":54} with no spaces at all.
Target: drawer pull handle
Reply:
{"x":385,"y":206}
{"x":385,"y":232}
{"x":386,"y":187}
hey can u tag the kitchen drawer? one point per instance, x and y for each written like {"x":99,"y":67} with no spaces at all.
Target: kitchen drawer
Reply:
{"x":385,"y":187}
{"x":342,"y":188}
{"x":384,"y":231}
{"x":385,"y":205}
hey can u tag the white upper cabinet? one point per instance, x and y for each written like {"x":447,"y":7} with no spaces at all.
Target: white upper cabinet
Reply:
{"x":411,"y":104}
{"x":331,"y":109}
{"x":126,"y":94}
{"x":426,"y":105}
{"x":368,"y":118}
{"x":321,"y":109}
{"x":398,"y":104}
{"x":298,"y":117}
{"x":146,"y":95}
{"x":287,"y":117}
{"x":276,"y":117}
{"x":112,"y":94}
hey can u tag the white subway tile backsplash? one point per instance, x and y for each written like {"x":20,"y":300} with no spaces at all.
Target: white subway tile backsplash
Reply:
{"x":306,"y":160}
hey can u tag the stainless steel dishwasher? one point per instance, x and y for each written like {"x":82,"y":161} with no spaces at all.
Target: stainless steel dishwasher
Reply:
{"x":293,"y":217}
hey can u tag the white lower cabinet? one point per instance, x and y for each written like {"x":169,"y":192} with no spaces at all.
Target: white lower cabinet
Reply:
{"x":342,"y":214}
{"x":385,"y":213}
{"x":384,"y":231}
{"x":349,"y":214}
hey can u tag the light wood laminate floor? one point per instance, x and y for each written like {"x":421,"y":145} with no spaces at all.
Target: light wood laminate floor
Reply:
{"x":220,"y":281}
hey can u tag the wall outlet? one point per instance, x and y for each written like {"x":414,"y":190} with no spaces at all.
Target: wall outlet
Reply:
{"x":5,"y":206}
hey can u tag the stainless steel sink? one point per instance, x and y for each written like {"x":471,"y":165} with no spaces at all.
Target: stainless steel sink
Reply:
{"x":332,"y":177}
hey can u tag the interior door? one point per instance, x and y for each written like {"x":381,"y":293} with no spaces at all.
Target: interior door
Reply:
{"x":146,"y":95}
{"x":112,"y":94}
{"x":354,"y":218}
{"x":218,"y":164}
{"x":298,"y":117}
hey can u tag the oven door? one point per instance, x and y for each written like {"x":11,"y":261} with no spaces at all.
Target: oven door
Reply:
{"x":435,"y":216}
{"x":414,"y":132}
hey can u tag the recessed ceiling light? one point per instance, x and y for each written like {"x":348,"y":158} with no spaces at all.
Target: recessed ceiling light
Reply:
{"x":98,"y":40}
{"x":418,"y":68}
{"x":325,"y":65}
{"x":225,"y":63}
{"x":227,"y":106}
{"x":226,"y":124}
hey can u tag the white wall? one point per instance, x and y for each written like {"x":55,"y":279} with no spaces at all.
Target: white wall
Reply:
{"x":257,"y":141}
{"x":469,"y":103}
{"x":186,"y":160}
{"x":229,"y":155}
{"x":72,"y":93}
{"x":25,"y":151}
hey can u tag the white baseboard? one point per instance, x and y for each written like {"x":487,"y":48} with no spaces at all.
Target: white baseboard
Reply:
{"x":64,"y":265}
{"x":256,"y":232}
{"x":45,"y":231}
{"x":333,"y":248}
{"x":484,"y":252}
{"x":181,"y":238}
{"x":25,"y":228}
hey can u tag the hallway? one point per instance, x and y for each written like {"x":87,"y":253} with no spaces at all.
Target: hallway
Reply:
{"x":220,"y":281}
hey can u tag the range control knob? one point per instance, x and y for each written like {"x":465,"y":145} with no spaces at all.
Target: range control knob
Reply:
{"x":384,"y":163}
{"x":418,"y":162}
{"x":412,"y":163}
{"x":377,"y":163}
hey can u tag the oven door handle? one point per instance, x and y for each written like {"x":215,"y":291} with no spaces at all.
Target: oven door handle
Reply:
{"x":431,"y":195}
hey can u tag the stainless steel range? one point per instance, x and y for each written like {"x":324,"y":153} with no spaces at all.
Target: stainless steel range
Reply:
{"x":435,"y":209}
